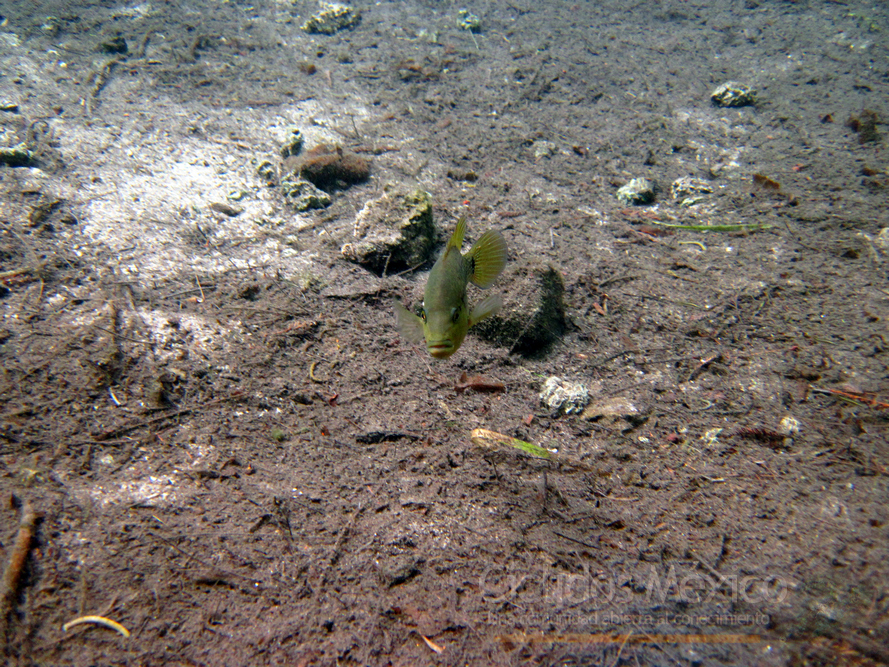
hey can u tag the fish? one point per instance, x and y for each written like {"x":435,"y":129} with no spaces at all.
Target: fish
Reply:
{"x":445,"y":316}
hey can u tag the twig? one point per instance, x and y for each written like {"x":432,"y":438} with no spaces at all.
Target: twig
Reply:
{"x":312,"y":376}
{"x":703,"y":366}
{"x":854,"y":396}
{"x":98,"y":620}
{"x":621,"y":649}
{"x":18,"y":272}
{"x":12,"y":576}
{"x":102,"y":77}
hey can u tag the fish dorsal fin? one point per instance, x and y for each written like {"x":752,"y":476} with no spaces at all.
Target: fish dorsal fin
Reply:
{"x":488,"y":258}
{"x":456,"y":240}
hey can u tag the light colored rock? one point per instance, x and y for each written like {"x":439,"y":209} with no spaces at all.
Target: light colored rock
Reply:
{"x":564,"y":397}
{"x":733,"y":94}
{"x":614,"y":410}
{"x":638,"y":191}
{"x":332,"y":18}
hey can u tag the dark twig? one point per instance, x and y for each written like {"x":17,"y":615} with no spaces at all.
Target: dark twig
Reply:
{"x":12,"y":576}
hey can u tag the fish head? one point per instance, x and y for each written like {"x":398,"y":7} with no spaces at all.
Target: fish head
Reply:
{"x":444,"y":327}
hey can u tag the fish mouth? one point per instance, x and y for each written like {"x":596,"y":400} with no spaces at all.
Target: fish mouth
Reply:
{"x":440,"y":349}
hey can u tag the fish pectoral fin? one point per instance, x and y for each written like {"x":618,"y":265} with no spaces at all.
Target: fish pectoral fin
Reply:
{"x":485,"y":308}
{"x":488,"y":257}
{"x":409,"y":325}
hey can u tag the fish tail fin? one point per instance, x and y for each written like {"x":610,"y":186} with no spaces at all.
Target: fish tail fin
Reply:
{"x":456,"y":240}
{"x":488,"y":257}
{"x":410,"y":326}
{"x":485,"y":308}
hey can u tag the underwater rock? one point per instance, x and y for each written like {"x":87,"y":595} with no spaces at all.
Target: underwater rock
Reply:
{"x":542,"y":149}
{"x":332,"y":18}
{"x":303,"y":195}
{"x":115,"y":45}
{"x":393,"y":232}
{"x":17,"y":156}
{"x":293,"y":145}
{"x":614,"y":410}
{"x":563,"y":397}
{"x":533,"y":315}
{"x":469,"y":21}
{"x":225,"y":209}
{"x":267,"y":172}
{"x":733,"y":94}
{"x":638,"y":191}
{"x":690,"y":190}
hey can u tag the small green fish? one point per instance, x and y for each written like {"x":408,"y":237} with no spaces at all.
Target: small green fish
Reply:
{"x":445,"y":316}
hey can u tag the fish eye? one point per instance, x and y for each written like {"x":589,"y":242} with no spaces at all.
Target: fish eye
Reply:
{"x":455,"y":314}
{"x":423,"y":314}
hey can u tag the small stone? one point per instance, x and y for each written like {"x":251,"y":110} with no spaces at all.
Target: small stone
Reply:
{"x":469,"y":21}
{"x":267,"y":172}
{"x":690,"y":190}
{"x":17,"y":156}
{"x":788,"y":426}
{"x":710,"y":439}
{"x":733,"y":94}
{"x":332,"y":18}
{"x":293,"y":145}
{"x":115,"y":45}
{"x":613,"y":410}
{"x":303,"y":195}
{"x":638,"y":191}
{"x":543,"y":149}
{"x":564,"y":397}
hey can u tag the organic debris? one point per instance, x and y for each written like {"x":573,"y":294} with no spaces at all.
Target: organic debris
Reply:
{"x":492,"y":440}
{"x":762,"y":435}
{"x":12,"y":575}
{"x":478,"y":383}
{"x":329,"y":166}
{"x":766,"y":183}
{"x":865,"y":125}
